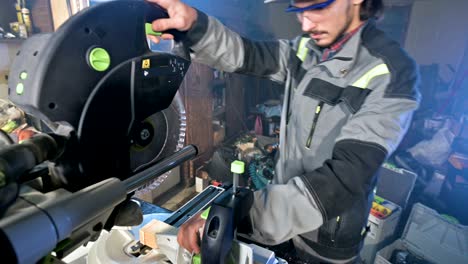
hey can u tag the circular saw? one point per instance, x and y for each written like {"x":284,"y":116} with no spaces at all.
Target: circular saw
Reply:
{"x":97,"y":77}
{"x":159,"y":135}
{"x":110,"y":122}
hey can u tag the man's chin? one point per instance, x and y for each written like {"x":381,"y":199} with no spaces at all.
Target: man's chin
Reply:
{"x":323,"y":43}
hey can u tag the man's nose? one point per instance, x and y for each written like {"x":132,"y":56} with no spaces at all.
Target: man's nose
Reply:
{"x":308,"y":25}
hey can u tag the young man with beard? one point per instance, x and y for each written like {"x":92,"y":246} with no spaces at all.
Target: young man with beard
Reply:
{"x":350,"y":93}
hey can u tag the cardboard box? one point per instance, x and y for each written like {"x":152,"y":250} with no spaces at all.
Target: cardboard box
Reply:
{"x":380,"y":232}
{"x":429,"y":236}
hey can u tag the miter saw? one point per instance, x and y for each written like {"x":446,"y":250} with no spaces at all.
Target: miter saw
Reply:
{"x":104,"y":104}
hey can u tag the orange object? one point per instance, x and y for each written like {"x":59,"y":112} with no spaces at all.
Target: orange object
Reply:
{"x":459,"y":161}
{"x":380,"y":211}
{"x":377,"y":214}
{"x":24,"y":134}
{"x":216,"y":183}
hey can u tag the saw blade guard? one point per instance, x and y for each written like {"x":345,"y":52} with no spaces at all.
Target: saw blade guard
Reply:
{"x":97,"y":73}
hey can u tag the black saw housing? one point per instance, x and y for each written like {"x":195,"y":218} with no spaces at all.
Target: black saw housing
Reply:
{"x":52,"y":78}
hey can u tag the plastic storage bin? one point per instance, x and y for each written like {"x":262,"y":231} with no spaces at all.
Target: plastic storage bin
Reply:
{"x":429,"y":236}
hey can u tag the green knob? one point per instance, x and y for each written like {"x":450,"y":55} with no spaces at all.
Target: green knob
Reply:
{"x":237,"y":167}
{"x":99,"y":59}
{"x":196,"y":259}
{"x":149,"y":30}
{"x":19,"y":89}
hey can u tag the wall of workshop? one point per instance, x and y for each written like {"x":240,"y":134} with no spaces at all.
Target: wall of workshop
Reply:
{"x":437,"y":38}
{"x":7,"y":53}
{"x":459,"y":89}
{"x":283,"y":25}
{"x":438,"y":33}
{"x":258,"y":21}
{"x":252,"y":19}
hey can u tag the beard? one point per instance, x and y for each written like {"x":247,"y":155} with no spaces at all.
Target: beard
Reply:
{"x":324,"y":38}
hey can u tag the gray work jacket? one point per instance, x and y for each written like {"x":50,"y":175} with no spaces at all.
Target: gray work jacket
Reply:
{"x":341,"y":119}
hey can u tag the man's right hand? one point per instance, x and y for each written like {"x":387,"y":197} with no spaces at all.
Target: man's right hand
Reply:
{"x":181,"y":17}
{"x":189,"y":233}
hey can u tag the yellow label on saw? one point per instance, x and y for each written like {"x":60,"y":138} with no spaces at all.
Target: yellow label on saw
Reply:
{"x":146,"y":63}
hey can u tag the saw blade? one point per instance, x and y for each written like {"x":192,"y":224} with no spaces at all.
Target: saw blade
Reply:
{"x":158,"y":136}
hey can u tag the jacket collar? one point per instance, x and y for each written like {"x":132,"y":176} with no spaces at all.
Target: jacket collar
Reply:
{"x":342,"y":62}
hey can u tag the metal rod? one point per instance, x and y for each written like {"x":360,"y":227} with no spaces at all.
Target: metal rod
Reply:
{"x":139,"y":179}
{"x":235,"y":183}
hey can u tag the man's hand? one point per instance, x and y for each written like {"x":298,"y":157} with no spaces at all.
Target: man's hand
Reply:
{"x":189,"y":233}
{"x":181,"y":17}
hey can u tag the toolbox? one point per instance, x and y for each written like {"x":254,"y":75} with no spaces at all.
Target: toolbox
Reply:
{"x":431,"y":237}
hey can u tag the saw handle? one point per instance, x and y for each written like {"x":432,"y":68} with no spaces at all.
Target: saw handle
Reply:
{"x":17,"y":159}
{"x":155,"y":12}
{"x":225,"y":215}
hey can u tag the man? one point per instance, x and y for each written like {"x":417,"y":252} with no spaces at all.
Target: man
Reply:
{"x":349,"y":96}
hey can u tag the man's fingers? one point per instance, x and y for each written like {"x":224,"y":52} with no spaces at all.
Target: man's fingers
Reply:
{"x":188,"y":236}
{"x":157,"y":40}
{"x":167,"y":36}
{"x":163,"y":24}
{"x":192,"y":242}
{"x":181,"y":16}
{"x":153,"y":39}
{"x":183,"y":237}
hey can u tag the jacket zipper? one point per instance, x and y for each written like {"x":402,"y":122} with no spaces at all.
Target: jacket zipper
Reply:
{"x":336,"y":227}
{"x":318,"y":110}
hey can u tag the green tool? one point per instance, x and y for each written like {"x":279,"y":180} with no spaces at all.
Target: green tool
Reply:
{"x":149,"y":30}
{"x":237,"y":167}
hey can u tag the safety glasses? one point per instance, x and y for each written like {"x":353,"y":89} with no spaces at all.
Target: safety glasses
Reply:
{"x":317,"y":6}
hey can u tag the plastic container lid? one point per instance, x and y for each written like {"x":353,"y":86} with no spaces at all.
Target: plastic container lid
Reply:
{"x":434,"y":238}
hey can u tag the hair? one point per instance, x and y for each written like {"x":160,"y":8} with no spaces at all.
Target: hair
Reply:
{"x":371,"y":9}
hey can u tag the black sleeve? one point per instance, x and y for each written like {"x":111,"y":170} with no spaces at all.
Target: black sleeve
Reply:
{"x":346,"y":177}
